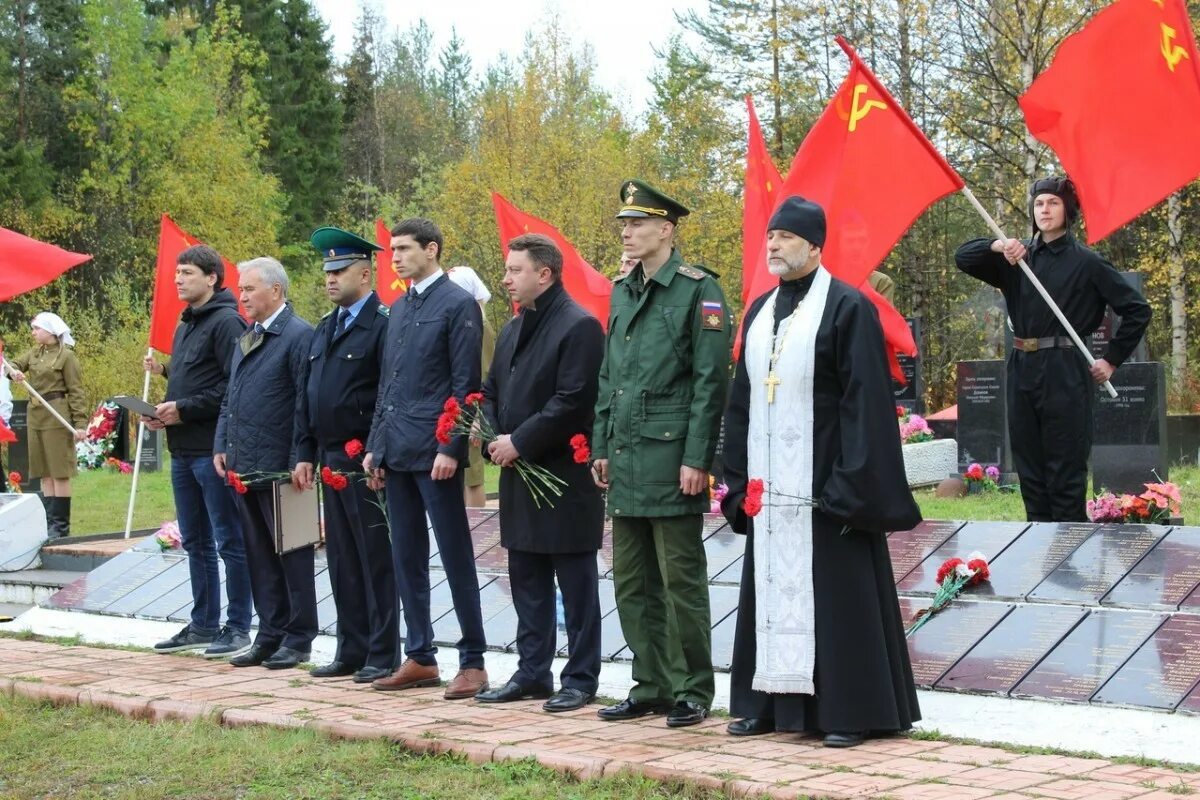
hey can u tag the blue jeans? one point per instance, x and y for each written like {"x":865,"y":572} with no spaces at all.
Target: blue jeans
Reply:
{"x":208,"y":525}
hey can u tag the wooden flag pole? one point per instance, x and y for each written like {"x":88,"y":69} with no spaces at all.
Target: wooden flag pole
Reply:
{"x":137,"y":457}
{"x":1041,"y":289}
{"x":8,"y":368}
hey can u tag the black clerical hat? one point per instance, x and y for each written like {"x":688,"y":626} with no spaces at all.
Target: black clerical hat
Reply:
{"x":802,"y":217}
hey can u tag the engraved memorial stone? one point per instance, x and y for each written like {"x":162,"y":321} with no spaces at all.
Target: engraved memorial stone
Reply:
{"x":174,"y":573}
{"x":998,"y":662}
{"x":722,"y":549}
{"x":1111,"y":323}
{"x":1164,"y":577}
{"x":989,"y":538}
{"x":1098,"y":564}
{"x":983,"y":415}
{"x":1089,"y":656}
{"x":1129,"y":446}
{"x":18,"y":451}
{"x":911,"y":394}
{"x":910,"y":548}
{"x":946,"y":638}
{"x":152,"y":448}
{"x":1162,"y":672}
{"x":71,"y":595}
{"x":1040,"y":549}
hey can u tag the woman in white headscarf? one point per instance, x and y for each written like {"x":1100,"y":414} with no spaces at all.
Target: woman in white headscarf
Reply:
{"x":473,"y":490}
{"x":52,"y":369}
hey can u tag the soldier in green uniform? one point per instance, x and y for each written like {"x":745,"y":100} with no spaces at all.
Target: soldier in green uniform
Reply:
{"x":662,"y":391}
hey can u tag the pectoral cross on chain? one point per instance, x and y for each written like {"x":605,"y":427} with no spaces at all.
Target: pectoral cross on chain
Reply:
{"x":771,"y":382}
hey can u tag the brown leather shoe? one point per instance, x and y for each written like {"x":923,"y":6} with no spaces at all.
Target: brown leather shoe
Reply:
{"x":410,"y":675}
{"x":467,"y":683}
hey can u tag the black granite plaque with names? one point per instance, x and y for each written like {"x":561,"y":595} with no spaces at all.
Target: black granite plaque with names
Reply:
{"x":1040,"y":549}
{"x":1164,"y":577}
{"x":485,"y":540}
{"x":175,"y":574}
{"x":327,"y":616}
{"x":1098,"y":564}
{"x":909,"y":548}
{"x":476,"y":516}
{"x":1191,"y":703}
{"x":1003,"y":657}
{"x":1191,"y":603}
{"x":1129,"y":446}
{"x":322,"y":582}
{"x":988,"y":538}
{"x":732,"y":574}
{"x":1110,"y":324}
{"x":153,"y":447}
{"x":169,"y":603}
{"x":1162,"y":672}
{"x":721,"y":601}
{"x":910,"y":394}
{"x":713,"y":523}
{"x":74,"y":593}
{"x":983,"y":415}
{"x":1089,"y":656}
{"x":604,"y":556}
{"x":18,"y":451}
{"x":722,"y":549}
{"x":946,"y":638}
{"x":446,"y":629}
{"x":722,"y":640}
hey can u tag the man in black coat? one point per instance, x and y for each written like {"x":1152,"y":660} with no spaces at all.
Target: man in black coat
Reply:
{"x":540,"y":393}
{"x":255,"y":438}
{"x":344,"y":363}
{"x":433,"y":352}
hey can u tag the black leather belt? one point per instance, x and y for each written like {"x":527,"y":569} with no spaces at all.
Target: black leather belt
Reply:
{"x":1046,"y":343}
{"x":54,"y":395}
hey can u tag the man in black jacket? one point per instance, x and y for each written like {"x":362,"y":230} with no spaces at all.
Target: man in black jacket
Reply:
{"x":540,"y":394}
{"x":1050,"y":386}
{"x":344,"y":360}
{"x":208,"y":522}
{"x":256,"y":436}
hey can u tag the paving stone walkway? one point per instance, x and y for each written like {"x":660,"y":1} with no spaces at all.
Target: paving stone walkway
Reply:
{"x":156,"y":687}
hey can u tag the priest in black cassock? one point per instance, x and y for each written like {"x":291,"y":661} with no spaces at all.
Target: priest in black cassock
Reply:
{"x":819,"y":645}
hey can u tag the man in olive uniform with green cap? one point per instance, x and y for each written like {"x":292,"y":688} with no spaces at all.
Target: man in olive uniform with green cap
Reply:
{"x":662,"y":392}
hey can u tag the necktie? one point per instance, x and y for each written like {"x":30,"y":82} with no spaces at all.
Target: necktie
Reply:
{"x":343,"y":318}
{"x":252,"y":338}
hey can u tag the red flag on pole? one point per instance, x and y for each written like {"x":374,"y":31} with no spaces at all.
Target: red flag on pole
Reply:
{"x":1120,"y":106}
{"x":762,"y":188}
{"x":166,"y":305}
{"x":583,"y":282}
{"x":27,"y":264}
{"x":388,"y":283}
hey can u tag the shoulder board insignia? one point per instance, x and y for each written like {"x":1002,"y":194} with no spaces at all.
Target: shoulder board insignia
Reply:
{"x":325,"y":317}
{"x":383,"y":310}
{"x":691,"y":272}
{"x":707,"y":271}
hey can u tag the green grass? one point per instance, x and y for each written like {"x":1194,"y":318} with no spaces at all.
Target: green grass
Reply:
{"x":85,"y":753}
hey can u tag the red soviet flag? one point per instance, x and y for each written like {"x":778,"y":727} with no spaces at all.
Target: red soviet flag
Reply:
{"x":166,"y":305}
{"x":583,"y":282}
{"x":27,"y":264}
{"x":1120,"y":107}
{"x":388,"y":283}
{"x":758,"y":203}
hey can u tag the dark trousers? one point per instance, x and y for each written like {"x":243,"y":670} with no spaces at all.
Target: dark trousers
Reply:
{"x":285,"y":594}
{"x":208,"y":527}
{"x":1050,"y":428}
{"x":410,"y":495}
{"x":360,"y":570}
{"x":531,"y":577}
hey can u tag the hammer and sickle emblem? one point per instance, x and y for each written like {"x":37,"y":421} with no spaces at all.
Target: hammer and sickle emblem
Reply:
{"x":859,"y":109}
{"x":1172,"y":52}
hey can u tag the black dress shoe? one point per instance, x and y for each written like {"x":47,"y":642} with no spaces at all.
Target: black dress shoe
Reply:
{"x":369,"y":673}
{"x":286,"y":658}
{"x":631,"y":709}
{"x":334,"y":669}
{"x":751,"y":726}
{"x":511,"y":692}
{"x":567,"y":699}
{"x":255,"y":656}
{"x":844,"y":739}
{"x":686,"y":713}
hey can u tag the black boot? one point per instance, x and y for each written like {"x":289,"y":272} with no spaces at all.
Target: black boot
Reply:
{"x":64,"y":516}
{"x":50,"y":508}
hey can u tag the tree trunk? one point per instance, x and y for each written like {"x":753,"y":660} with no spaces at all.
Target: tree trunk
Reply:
{"x":1178,"y":291}
{"x":776,"y":86}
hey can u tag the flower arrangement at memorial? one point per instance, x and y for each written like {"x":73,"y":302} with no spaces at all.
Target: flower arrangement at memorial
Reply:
{"x":1155,"y":506}
{"x":982,"y":479}
{"x":913,"y":427}
{"x":953,"y":576}
{"x":14,"y":482}
{"x":167,"y":537}
{"x":468,"y":420}
{"x":6,"y":434}
{"x":100,"y":438}
{"x":716,"y":493}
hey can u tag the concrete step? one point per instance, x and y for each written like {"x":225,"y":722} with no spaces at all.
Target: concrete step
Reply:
{"x":34,"y":586}
{"x":13,"y":610}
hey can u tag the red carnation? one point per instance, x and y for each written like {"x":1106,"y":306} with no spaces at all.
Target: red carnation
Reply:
{"x":14,"y":478}
{"x":474,"y":398}
{"x":6,"y":434}
{"x":901,"y":411}
{"x":947,"y":568}
{"x":754,"y":493}
{"x":981,"y":570}
{"x":326,"y":476}
{"x":235,"y":480}
{"x":451,"y":407}
{"x":579,"y":444}
{"x":752,"y":506}
{"x":444,"y":426}
{"x":975,"y":472}
{"x":354,"y":448}
{"x":339,"y":482}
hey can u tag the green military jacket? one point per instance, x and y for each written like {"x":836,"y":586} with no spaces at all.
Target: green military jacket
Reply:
{"x":662,"y":387}
{"x":54,"y":371}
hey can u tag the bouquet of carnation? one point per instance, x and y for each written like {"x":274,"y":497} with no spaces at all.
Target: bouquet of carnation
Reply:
{"x":468,"y":420}
{"x":982,"y":478}
{"x":168,"y":537}
{"x":100,"y":437}
{"x":757,"y":489}
{"x":339,"y":479}
{"x":117,"y":465}
{"x":1155,"y":506}
{"x":913,"y":427}
{"x":952,"y":577}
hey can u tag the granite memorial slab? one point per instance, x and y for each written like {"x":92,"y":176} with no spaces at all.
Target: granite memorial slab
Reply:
{"x":1164,"y":577}
{"x":910,"y":393}
{"x":983,"y":415}
{"x":153,"y":445}
{"x":128,"y":581}
{"x":1110,"y":324}
{"x":485,"y":541}
{"x":989,"y":538}
{"x":604,"y":554}
{"x":722,"y":549}
{"x":1097,"y":565}
{"x":713,"y":523}
{"x":175,"y":574}
{"x":1088,"y":656}
{"x":722,"y":641}
{"x":1191,"y":703}
{"x":1011,"y":649}
{"x":477,"y":516}
{"x":169,"y":604}
{"x":71,"y":595}
{"x":17,"y":459}
{"x":1191,"y":603}
{"x":946,"y":638}
{"x":732,"y":574}
{"x":722,"y":600}
{"x":441,"y":609}
{"x":1040,"y":549}
{"x":909,"y":548}
{"x":1162,"y":672}
{"x":1129,"y":446}
{"x":322,"y":581}
{"x":327,"y":615}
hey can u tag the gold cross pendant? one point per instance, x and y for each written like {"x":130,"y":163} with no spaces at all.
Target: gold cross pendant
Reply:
{"x":771,"y":382}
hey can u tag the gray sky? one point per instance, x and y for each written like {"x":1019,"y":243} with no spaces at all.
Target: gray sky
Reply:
{"x":621,"y":35}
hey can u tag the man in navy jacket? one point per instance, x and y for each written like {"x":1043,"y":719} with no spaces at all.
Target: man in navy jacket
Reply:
{"x":432,"y":353}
